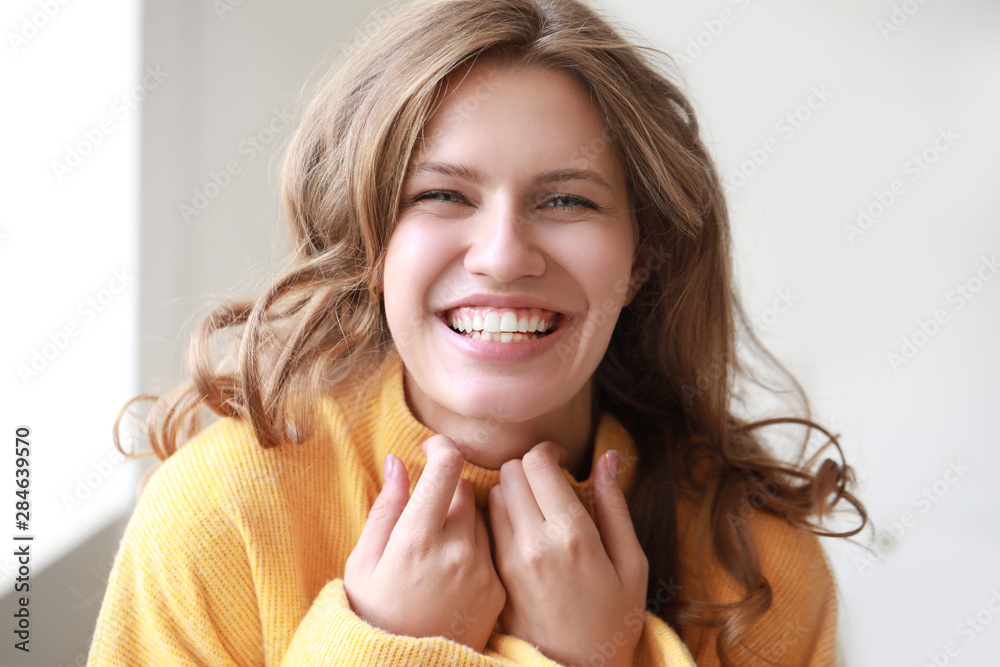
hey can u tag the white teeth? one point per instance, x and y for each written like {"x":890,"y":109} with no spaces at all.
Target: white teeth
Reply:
{"x":500,"y":326}
{"x":508,"y":323}
{"x":502,"y":337}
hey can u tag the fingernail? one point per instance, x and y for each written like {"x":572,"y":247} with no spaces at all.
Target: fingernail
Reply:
{"x":613,"y":463}
{"x":390,"y":466}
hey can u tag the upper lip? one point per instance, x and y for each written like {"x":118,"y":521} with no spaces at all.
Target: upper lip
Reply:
{"x":500,"y":301}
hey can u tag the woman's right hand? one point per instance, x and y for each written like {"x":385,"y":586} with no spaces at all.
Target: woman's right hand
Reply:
{"x":422,"y":566}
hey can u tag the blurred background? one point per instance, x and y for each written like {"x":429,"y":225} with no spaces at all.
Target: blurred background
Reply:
{"x":858,"y":142}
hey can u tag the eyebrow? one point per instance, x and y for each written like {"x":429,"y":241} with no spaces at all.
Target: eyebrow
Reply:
{"x":476,"y":176}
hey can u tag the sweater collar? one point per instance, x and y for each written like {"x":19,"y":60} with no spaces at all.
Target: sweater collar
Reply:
{"x":398,"y":431}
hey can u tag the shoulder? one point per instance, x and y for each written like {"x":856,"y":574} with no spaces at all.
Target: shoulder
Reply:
{"x":799,"y":626}
{"x":223,"y":476}
{"x":801,"y":623}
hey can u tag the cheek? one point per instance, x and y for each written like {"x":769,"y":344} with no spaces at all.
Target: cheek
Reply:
{"x":602,"y":264}
{"x":401,"y":281}
{"x":415,"y":259}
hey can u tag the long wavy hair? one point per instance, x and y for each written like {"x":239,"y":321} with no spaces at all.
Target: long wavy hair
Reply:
{"x":671,"y":371}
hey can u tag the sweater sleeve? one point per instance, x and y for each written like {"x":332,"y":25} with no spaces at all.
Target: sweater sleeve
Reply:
{"x":332,"y":634}
{"x":182,"y":592}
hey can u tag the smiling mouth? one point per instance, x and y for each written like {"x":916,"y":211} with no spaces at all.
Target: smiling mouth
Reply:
{"x":502,"y":325}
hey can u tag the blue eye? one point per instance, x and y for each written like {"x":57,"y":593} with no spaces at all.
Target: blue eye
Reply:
{"x":438,"y":195}
{"x":565,"y":202}
{"x":573,"y":201}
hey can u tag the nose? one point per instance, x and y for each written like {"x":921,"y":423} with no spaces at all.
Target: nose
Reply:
{"x":502,"y":246}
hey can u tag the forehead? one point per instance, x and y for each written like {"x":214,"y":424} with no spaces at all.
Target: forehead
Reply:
{"x":523,"y":117}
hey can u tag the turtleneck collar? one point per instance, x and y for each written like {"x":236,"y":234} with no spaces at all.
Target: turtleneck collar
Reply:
{"x":398,"y":431}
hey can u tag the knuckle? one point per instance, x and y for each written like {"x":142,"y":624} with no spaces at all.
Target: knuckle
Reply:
{"x":641,"y":564}
{"x":455,"y":562}
{"x":573,"y":543}
{"x":380,"y":511}
{"x":619,"y":510}
{"x":509,"y":468}
{"x":534,"y":558}
{"x":419,"y":546}
{"x":535,"y":460}
{"x":449,"y":460}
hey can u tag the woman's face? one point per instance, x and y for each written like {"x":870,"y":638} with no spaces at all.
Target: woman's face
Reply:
{"x":514,"y":215}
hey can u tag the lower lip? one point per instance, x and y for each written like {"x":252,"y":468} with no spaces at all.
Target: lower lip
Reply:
{"x":487,"y":350}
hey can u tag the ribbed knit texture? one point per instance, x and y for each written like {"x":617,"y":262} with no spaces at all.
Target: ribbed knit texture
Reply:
{"x":235,"y":555}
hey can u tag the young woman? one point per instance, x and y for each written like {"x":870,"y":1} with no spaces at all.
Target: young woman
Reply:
{"x":479,"y":421}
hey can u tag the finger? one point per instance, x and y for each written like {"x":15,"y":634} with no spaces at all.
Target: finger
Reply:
{"x":519,"y":501}
{"x":462,"y":512}
{"x":385,"y":512}
{"x":613,"y":519}
{"x":503,"y":531}
{"x":435,"y":489}
{"x":552,"y":491}
{"x":482,"y":536}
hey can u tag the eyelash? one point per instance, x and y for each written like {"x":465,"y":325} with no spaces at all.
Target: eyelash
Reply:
{"x":580,"y":201}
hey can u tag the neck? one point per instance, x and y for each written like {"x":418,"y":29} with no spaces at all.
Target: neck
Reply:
{"x":489,"y":441}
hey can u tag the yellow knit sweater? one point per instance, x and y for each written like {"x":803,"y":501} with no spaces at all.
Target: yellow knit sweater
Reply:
{"x":235,"y":556}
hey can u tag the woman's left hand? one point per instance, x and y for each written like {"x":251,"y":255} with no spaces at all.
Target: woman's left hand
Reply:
{"x":575,"y":589}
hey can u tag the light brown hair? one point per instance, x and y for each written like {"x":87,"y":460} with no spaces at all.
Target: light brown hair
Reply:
{"x":323,"y":320}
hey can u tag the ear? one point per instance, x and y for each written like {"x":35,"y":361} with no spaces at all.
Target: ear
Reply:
{"x":640,"y":273}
